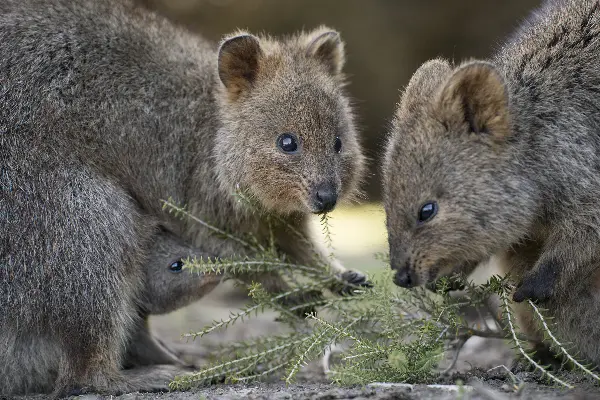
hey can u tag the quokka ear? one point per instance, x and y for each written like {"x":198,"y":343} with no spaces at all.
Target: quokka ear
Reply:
{"x":238,"y":63}
{"x":327,"y":47}
{"x":423,"y":84}
{"x":475,"y":94}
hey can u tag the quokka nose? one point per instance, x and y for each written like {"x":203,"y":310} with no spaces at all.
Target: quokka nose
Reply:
{"x":325,"y":198}
{"x":402,"y":278}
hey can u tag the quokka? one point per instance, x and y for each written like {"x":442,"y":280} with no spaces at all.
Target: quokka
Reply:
{"x":502,"y":157}
{"x":108,"y":108}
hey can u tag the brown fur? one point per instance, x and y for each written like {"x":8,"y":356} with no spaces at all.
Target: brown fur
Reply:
{"x":301,"y":79}
{"x":508,"y":148}
{"x":108,"y":108}
{"x":475,"y":92}
{"x":238,"y":64}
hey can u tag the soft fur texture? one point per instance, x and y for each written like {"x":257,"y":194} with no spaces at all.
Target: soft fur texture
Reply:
{"x":509,"y":149}
{"x":107,"y":108}
{"x":165,"y":289}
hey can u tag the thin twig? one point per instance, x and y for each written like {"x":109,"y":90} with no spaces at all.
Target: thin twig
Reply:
{"x":517,"y":383}
{"x":180,"y":210}
{"x":559,"y":345}
{"x":520,"y":347}
{"x":302,"y":357}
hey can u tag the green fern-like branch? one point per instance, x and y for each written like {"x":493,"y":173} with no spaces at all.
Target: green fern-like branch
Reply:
{"x":327,"y":234}
{"x":233,"y":266}
{"x":389,"y":334}
{"x":180,"y":212}
{"x":225,"y":323}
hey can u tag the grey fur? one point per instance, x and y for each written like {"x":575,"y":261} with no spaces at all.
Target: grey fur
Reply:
{"x":509,"y":148}
{"x":167,"y":287}
{"x":107,"y":108}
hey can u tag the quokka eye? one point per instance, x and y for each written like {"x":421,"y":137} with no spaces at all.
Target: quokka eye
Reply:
{"x":176,"y":266}
{"x":428,"y":211}
{"x":288,"y":143}
{"x":338,"y":145}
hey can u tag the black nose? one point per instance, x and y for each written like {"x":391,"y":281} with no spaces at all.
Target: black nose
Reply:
{"x":325,"y":198}
{"x":402,"y":278}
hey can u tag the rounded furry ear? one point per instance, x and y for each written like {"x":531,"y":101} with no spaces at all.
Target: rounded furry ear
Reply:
{"x":327,"y":47}
{"x":238,"y":63}
{"x":422,"y":85}
{"x":475,"y":94}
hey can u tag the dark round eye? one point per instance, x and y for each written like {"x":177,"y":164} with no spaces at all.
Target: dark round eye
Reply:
{"x":176,"y":266}
{"x":338,"y":145}
{"x":428,"y":211}
{"x":287,"y":142}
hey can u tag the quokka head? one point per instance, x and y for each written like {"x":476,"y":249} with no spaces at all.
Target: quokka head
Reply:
{"x":288,"y":136}
{"x":169,"y":286}
{"x":455,"y":192}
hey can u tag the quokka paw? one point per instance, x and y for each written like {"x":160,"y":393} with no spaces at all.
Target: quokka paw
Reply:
{"x":148,"y":379}
{"x":537,"y":285}
{"x":65,"y":393}
{"x":153,"y":379}
{"x":352,"y":280}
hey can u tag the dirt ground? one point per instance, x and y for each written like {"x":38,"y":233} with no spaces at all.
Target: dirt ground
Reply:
{"x":476,"y":359}
{"x":320,"y":391}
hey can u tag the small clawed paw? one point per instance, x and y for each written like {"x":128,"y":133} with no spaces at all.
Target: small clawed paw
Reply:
{"x":530,"y":289}
{"x":354,"y":281}
{"x":537,"y":285}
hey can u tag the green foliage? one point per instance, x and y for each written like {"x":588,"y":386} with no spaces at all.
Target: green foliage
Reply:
{"x":390,"y":334}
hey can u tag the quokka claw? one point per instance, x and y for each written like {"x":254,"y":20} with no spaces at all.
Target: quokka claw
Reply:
{"x":538,"y":285}
{"x":355,"y":280}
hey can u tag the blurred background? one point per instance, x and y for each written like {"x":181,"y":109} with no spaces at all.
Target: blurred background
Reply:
{"x":386,"y":41}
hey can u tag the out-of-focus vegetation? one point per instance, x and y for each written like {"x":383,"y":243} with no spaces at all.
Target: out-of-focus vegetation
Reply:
{"x":386,"y":40}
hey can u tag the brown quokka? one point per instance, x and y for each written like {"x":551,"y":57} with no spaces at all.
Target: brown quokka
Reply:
{"x":106,"y":108}
{"x":167,"y":287}
{"x":502,"y":157}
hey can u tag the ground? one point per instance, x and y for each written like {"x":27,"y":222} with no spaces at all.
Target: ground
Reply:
{"x":320,"y":391}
